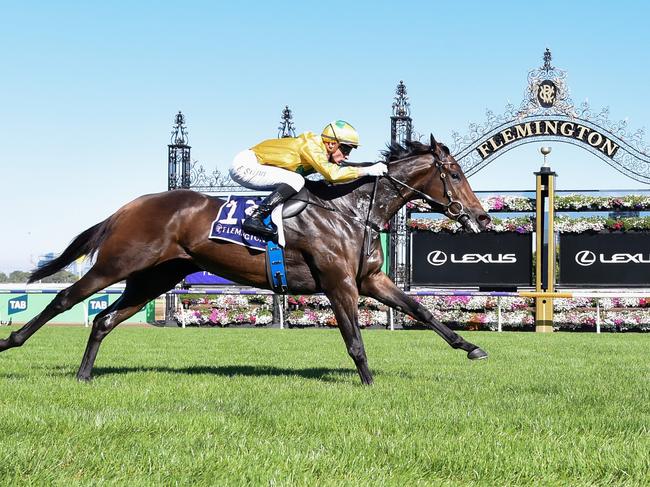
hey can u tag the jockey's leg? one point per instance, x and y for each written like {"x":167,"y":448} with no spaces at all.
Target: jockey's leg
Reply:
{"x":247,"y":171}
{"x":255,"y":222}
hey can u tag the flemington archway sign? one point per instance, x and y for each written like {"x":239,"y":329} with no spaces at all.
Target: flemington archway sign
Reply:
{"x":548,"y":114}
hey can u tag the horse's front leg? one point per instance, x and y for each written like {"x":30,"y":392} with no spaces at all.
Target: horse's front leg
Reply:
{"x":380,"y":287}
{"x":344,"y":298}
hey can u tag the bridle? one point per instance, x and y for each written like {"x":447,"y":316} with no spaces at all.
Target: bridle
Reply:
{"x":454,"y":209}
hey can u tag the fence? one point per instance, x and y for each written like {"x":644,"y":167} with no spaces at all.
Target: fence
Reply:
{"x":499,"y":295}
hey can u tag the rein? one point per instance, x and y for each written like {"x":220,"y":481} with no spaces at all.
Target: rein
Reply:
{"x":454,"y":209}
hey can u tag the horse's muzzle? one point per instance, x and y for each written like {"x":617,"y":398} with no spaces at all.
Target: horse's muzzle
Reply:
{"x":481,"y":223}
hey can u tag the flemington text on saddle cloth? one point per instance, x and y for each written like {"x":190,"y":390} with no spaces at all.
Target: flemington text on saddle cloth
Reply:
{"x":227,"y":225}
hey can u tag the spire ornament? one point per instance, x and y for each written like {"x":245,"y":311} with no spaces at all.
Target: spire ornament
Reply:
{"x":178,"y":156}
{"x":286,"y":128}
{"x":401,"y":105}
{"x":547,"y":91}
{"x":401,"y":123}
{"x":179,"y":131}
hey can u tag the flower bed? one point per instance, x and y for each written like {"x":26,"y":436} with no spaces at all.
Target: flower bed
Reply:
{"x":225,"y":310}
{"x":579,"y":202}
{"x":522,"y":224}
{"x":570,"y":202}
{"x":458,"y":312}
{"x":563,"y":224}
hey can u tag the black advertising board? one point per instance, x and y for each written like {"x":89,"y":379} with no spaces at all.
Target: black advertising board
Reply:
{"x":605,"y":259}
{"x":483,"y":259}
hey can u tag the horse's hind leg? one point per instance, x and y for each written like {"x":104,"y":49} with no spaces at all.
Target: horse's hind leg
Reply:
{"x":140,"y":289}
{"x":64,"y":300}
{"x":380,"y":287}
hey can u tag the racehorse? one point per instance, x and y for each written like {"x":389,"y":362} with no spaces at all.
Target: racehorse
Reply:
{"x":332,"y":246}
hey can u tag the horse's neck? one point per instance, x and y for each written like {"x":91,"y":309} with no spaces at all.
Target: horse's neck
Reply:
{"x":344,"y":196}
{"x":359,"y":196}
{"x":391,"y":195}
{"x":367,"y":197}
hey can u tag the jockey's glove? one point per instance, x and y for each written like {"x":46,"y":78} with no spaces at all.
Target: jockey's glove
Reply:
{"x":378,"y":169}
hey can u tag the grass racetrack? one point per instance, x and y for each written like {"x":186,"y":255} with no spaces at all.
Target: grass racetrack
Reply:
{"x":285,"y":407}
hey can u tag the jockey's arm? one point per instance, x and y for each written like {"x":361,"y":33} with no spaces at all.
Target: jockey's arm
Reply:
{"x":317,"y":158}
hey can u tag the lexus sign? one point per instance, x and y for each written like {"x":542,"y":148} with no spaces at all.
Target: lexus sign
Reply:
{"x":484,"y":259}
{"x":607,"y":259}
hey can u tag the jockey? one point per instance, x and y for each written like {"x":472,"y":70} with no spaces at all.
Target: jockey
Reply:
{"x":281,"y":164}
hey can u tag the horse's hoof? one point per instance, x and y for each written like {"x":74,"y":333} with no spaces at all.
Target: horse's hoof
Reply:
{"x":84,"y":378}
{"x":477,"y":354}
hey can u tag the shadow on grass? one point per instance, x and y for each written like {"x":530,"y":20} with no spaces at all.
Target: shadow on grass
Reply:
{"x":318,"y":373}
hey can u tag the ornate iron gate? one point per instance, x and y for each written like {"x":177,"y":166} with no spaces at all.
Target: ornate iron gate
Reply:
{"x":547,"y":113}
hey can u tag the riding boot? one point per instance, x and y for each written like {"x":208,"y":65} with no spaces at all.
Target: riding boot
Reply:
{"x":255,"y":223}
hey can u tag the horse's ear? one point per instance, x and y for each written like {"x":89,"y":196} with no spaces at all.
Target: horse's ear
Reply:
{"x":433,"y":144}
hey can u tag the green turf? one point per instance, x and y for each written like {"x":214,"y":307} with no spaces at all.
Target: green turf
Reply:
{"x":285,"y":407}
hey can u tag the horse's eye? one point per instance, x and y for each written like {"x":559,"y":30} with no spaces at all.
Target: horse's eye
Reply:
{"x":455,"y":176}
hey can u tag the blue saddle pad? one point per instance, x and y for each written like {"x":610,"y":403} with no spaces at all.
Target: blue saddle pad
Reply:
{"x":227,"y":225}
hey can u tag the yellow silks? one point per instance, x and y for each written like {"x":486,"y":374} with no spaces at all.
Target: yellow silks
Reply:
{"x":303,"y":154}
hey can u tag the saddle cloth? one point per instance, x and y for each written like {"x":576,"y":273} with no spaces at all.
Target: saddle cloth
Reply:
{"x":227,"y":225}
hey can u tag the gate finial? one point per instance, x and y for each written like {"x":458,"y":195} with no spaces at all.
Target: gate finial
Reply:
{"x":286,"y":128}
{"x":401,"y":123}
{"x":179,"y":133}
{"x":547,"y":61}
{"x":401,"y":105}
{"x":178,"y":156}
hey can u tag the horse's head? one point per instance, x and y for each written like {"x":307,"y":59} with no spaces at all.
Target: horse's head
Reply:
{"x":431,"y":173}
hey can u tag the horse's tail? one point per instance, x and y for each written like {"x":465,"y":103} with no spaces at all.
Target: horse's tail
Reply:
{"x":86,"y":243}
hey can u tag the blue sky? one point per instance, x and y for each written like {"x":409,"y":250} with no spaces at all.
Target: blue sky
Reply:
{"x":89,"y":90}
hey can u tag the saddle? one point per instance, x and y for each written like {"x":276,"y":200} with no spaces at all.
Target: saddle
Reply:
{"x":227,"y":227}
{"x":295,"y":204}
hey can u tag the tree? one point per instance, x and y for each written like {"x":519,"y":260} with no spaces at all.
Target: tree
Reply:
{"x":61,"y":276}
{"x":18,"y":276}
{"x":3,"y":277}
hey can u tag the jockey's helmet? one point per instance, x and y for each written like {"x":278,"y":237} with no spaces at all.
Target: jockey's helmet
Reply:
{"x":341,"y":132}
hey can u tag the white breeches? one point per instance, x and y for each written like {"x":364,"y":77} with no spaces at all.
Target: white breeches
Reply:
{"x":247,"y":171}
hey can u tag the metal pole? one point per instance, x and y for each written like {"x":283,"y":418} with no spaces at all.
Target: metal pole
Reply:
{"x":499,"y":314}
{"x":176,"y":307}
{"x":544,"y":245}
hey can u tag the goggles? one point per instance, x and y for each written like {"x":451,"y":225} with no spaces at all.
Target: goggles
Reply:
{"x":345,"y":149}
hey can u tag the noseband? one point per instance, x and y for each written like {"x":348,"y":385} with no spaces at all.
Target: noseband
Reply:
{"x":454,"y":209}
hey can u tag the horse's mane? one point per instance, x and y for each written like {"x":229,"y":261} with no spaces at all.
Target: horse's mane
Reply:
{"x":411,"y":148}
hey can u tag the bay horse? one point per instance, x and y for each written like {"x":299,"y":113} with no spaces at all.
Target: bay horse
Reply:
{"x":332,"y":247}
